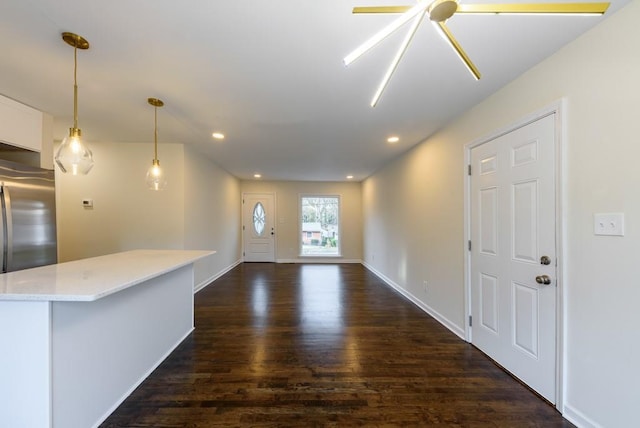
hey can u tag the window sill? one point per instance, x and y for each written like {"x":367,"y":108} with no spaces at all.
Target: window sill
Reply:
{"x":320,"y":256}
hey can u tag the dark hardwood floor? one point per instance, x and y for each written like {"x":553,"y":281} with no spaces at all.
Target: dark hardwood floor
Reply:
{"x":284,"y":345}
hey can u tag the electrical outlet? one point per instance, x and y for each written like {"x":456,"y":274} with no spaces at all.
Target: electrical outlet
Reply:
{"x":424,"y":285}
{"x":611,"y":224}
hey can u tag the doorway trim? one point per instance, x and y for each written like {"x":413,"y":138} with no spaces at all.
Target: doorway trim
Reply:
{"x":558,"y":109}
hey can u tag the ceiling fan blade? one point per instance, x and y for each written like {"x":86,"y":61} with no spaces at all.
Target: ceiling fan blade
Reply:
{"x":535,"y":8}
{"x":493,"y":9}
{"x":394,"y":64}
{"x":380,"y":9}
{"x":386,"y":31}
{"x":461,"y":53}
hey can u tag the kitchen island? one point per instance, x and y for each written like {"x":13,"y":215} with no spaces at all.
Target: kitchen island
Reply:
{"x":78,"y":337}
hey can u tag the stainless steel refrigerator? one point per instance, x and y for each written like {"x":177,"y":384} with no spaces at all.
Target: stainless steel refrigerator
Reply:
{"x":28,"y":217}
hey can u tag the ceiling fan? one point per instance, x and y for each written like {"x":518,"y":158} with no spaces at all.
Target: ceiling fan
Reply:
{"x":439,"y":11}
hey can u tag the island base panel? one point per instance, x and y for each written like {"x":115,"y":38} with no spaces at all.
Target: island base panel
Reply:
{"x":25,"y":364}
{"x":102,"y":350}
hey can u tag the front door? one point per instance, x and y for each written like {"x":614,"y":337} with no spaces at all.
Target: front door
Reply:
{"x":513,"y":252}
{"x":258,"y":233}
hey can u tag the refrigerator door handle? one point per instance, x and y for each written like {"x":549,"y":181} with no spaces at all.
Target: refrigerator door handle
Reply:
{"x":8,"y":247}
{"x":3,"y":222}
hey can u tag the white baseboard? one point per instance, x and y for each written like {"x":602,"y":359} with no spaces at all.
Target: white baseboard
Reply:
{"x":328,"y":260}
{"x":578,"y":418}
{"x":426,"y":308}
{"x":209,"y":280}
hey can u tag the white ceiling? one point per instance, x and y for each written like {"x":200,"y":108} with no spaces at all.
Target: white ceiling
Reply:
{"x":268,"y":74}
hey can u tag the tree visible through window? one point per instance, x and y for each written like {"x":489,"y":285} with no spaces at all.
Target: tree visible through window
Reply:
{"x":320,"y":226}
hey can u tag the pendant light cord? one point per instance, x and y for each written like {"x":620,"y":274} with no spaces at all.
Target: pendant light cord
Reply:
{"x":155,"y":133}
{"x":75,"y":87}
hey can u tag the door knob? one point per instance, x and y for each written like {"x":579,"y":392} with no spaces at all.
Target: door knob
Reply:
{"x":545,"y":260}
{"x":543,"y":279}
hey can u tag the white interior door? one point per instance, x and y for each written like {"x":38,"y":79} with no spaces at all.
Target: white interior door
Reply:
{"x":258,"y":233}
{"x":513,"y":253}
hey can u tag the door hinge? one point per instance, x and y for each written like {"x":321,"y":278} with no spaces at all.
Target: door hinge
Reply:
{"x":470,"y":321}
{"x":242,"y":227}
{"x":469,"y":245}
{"x":469,"y":169}
{"x":243,"y":254}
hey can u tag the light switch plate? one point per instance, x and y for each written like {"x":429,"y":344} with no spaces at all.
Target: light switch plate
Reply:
{"x":611,"y":224}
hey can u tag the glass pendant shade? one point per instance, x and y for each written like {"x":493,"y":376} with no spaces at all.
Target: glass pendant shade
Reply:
{"x":74,"y":156}
{"x":156,"y":178}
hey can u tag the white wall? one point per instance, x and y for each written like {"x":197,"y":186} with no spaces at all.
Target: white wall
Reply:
{"x":212,"y":215}
{"x":287,"y":212}
{"x":126,"y":215}
{"x":199,"y":209}
{"x":413,"y":220}
{"x":413,"y":212}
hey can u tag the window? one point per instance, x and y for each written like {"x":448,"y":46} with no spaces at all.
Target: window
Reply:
{"x":320,"y":226}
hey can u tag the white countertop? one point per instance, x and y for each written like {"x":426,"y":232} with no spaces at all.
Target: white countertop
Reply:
{"x":94,"y":278}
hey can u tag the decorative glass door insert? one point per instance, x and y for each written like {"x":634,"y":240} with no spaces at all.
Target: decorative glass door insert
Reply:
{"x":259,"y":219}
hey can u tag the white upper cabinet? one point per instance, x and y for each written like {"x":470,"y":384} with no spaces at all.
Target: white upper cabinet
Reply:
{"x":20,"y":125}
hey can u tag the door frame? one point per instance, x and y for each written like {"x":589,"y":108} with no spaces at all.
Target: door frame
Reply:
{"x":558,"y":109}
{"x":242,"y":225}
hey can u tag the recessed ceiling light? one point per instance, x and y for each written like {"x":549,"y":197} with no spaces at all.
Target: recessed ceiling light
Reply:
{"x":218,"y":135}
{"x":349,"y":177}
{"x":257,"y":175}
{"x":393,"y":139}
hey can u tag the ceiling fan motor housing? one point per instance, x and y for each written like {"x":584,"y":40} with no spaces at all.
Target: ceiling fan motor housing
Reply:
{"x":441,"y":10}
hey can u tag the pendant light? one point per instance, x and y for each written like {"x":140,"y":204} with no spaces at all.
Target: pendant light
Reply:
{"x":73,"y":155}
{"x":156,"y":179}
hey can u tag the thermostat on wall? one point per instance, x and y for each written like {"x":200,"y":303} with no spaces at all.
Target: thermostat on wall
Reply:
{"x":87,"y":203}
